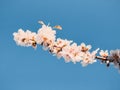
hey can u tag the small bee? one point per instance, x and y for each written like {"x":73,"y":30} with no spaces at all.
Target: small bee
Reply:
{"x":58,"y":27}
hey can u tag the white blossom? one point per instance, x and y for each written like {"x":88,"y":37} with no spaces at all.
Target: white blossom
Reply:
{"x":46,"y":35}
{"x":88,"y":58}
{"x":104,"y":53}
{"x":25,"y":38}
{"x":73,"y":52}
{"x":60,"y":42}
{"x":57,"y":46}
{"x":84,"y":47}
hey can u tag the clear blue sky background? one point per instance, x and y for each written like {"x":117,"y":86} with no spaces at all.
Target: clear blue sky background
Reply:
{"x":95,"y":22}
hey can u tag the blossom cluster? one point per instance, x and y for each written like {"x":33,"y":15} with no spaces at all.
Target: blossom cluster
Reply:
{"x":69,"y":50}
{"x":27,"y":38}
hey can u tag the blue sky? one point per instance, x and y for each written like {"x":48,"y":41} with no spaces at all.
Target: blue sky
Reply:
{"x":95,"y":22}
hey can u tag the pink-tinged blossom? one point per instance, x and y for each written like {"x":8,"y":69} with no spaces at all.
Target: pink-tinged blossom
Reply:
{"x":46,"y":35}
{"x":27,"y":38}
{"x":104,"y":54}
{"x":89,"y":58}
{"x":84,"y":47}
{"x":73,"y":52}
{"x":57,"y":46}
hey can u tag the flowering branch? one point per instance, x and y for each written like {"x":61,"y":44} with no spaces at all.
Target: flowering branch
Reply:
{"x":67,"y":49}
